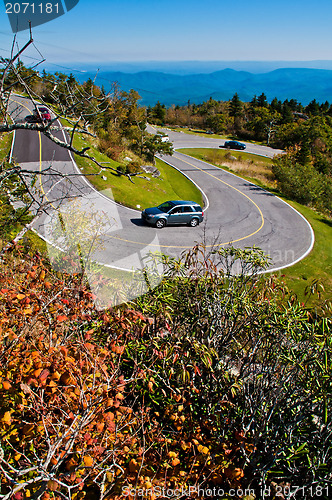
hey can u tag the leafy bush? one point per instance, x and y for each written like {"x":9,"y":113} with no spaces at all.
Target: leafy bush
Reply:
{"x":303,"y":183}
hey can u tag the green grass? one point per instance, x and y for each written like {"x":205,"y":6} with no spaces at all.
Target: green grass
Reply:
{"x":145,"y":190}
{"x":220,"y":155}
{"x":255,"y":168}
{"x":318,"y":264}
{"x":5,"y":145}
{"x":191,"y":131}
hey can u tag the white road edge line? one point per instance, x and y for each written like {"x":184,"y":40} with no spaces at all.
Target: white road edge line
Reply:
{"x":283,"y":201}
{"x":12,"y":147}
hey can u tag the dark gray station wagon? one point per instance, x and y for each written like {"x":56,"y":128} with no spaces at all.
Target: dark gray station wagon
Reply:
{"x":174,"y":212}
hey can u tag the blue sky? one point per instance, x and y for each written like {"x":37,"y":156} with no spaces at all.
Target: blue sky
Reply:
{"x":175,"y":30}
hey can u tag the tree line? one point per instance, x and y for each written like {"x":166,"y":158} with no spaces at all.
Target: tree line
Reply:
{"x":115,"y":117}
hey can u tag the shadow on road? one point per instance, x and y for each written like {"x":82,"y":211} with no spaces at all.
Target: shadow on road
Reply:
{"x":138,"y":222}
{"x":258,"y":189}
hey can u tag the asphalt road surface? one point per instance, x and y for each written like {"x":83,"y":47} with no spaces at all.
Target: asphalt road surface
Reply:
{"x":236,"y":212}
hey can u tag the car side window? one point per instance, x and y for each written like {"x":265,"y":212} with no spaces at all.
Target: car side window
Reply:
{"x":175,"y":210}
{"x":187,"y":209}
{"x":197,"y":208}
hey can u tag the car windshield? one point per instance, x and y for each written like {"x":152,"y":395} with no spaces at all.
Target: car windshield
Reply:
{"x":165,"y":207}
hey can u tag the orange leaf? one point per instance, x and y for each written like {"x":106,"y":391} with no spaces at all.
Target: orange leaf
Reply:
{"x":88,"y":461}
{"x":44,"y":374}
{"x":61,"y":318}
{"x":52,"y":485}
{"x":235,"y":473}
{"x":133,"y":465}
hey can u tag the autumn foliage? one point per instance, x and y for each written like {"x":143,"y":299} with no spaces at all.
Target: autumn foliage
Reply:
{"x":70,"y":422}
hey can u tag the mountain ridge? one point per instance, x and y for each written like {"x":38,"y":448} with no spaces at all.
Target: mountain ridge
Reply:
{"x":302,"y":84}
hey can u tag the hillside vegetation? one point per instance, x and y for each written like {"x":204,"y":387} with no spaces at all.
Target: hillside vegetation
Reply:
{"x":209,"y":381}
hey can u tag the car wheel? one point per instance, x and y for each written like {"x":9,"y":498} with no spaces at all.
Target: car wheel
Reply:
{"x":160,"y":223}
{"x":193,"y":222}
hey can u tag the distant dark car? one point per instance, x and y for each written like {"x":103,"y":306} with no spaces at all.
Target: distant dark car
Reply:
{"x":173,"y":213}
{"x":42,"y":115}
{"x":233,"y":145}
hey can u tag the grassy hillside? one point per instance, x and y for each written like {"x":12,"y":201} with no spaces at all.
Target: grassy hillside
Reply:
{"x":145,"y":190}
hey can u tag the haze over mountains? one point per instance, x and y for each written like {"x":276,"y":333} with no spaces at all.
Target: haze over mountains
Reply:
{"x":176,"y":83}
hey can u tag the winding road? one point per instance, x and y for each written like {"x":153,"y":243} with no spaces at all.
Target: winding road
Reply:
{"x":236,"y":211}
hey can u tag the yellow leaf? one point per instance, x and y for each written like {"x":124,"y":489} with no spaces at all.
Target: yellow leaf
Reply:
{"x":185,"y":445}
{"x":6,"y":419}
{"x":56,"y":375}
{"x":203,"y":449}
{"x":20,"y":296}
{"x":17,"y":456}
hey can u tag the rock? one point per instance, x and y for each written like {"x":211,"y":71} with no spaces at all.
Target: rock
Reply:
{"x":149,"y":169}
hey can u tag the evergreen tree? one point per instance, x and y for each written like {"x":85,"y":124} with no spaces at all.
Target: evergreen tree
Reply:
{"x":235,"y":106}
{"x":262,"y":101}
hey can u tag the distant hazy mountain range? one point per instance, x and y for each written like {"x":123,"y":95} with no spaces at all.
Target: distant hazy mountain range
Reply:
{"x":302,"y":84}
